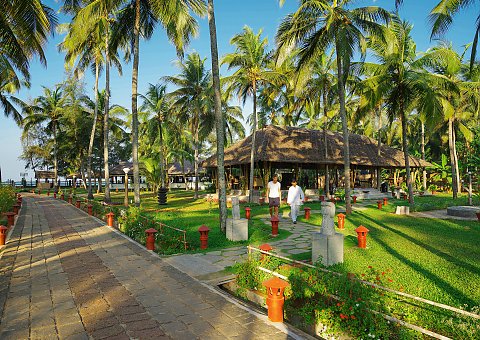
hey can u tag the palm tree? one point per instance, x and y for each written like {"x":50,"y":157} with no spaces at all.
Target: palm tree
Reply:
{"x":87,"y":20}
{"x":441,"y":17}
{"x":48,"y":108}
{"x":219,"y":118}
{"x":401,"y":83}
{"x":192,"y":98}
{"x":250,"y":60}
{"x":157,"y":105}
{"x":319,"y":24}
{"x":24,"y":26}
{"x":138,"y":18}
{"x":8,"y":86}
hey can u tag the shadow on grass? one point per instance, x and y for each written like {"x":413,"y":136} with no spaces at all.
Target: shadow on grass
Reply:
{"x":441,"y":283}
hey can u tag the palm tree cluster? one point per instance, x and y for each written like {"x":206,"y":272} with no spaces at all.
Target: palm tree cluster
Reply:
{"x":333,"y":67}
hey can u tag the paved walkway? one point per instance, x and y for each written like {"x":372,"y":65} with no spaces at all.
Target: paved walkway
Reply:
{"x":64,"y":275}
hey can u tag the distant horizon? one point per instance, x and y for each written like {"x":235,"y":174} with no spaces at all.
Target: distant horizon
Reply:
{"x":157,"y":56}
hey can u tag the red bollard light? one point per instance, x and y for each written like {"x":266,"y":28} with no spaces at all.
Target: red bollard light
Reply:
{"x":3,"y":235}
{"x":362,"y":236}
{"x":203,"y":230}
{"x":354,"y":199}
{"x":247,"y":213}
{"x":385,"y":201}
{"x":16,"y":208}
{"x":19,"y":203}
{"x":90,"y":209}
{"x":151,"y":238}
{"x":39,"y":192}
{"x":379,"y":204}
{"x":48,"y":193}
{"x":62,"y":196}
{"x":275,"y":298}
{"x":307,"y":212}
{"x":274,"y":220}
{"x":110,"y":216}
{"x":54,"y":195}
{"x":10,"y":218}
{"x":70,"y":199}
{"x":341,"y":221}
{"x":265,"y":247}
{"x":77,"y":203}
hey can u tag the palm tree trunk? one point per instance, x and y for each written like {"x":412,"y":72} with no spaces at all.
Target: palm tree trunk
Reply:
{"x":55,"y":159}
{"x":219,"y":118}
{"x":105,"y":119}
{"x":346,"y":143}
{"x":325,"y":110}
{"x":162,"y":156}
{"x":405,"y":154}
{"x":252,"y":151}
{"x":424,"y":172}
{"x":136,"y":55}
{"x":451,"y":144}
{"x":92,"y":134}
{"x":195,"y":148}
{"x":379,"y":146}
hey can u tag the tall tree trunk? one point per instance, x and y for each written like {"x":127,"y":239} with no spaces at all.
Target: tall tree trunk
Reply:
{"x":136,"y":55}
{"x":105,"y":119}
{"x":162,"y":156}
{"x":195,"y":150}
{"x":346,"y":143}
{"x":55,"y":159}
{"x":325,"y":111}
{"x":379,"y":148}
{"x":252,"y":151}
{"x":219,"y":119}
{"x":424,"y":172}
{"x":405,"y":154}
{"x":92,"y":134}
{"x":451,"y":145}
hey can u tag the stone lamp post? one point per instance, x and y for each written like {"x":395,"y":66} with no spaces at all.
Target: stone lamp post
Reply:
{"x":125,"y":201}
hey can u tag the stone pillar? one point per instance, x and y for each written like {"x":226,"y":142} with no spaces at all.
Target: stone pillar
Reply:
{"x":327,"y":245}
{"x":237,"y":228}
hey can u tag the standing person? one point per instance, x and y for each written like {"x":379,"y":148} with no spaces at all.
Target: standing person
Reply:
{"x":273,"y":194}
{"x":295,"y":199}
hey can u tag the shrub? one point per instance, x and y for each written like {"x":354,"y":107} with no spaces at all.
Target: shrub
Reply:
{"x":7,"y":198}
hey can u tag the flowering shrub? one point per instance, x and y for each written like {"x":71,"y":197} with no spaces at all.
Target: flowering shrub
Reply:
{"x":7,"y":199}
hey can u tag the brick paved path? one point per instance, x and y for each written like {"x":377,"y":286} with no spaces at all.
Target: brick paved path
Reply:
{"x":63,"y":275}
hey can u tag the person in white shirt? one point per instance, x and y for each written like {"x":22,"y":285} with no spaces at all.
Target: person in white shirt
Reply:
{"x":273,"y":194}
{"x":295,"y":199}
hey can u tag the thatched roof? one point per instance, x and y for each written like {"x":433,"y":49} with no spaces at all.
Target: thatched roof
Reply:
{"x":293,"y":145}
{"x":188,"y":168}
{"x":117,"y":170}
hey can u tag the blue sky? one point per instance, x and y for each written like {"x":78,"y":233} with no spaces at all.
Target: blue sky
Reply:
{"x":157,"y":55}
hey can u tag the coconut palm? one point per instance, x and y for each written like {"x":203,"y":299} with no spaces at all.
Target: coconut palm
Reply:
{"x":250,"y":61}
{"x":192,"y":98}
{"x":399,"y":81}
{"x":441,"y":17}
{"x":320,"y":24}
{"x":138,"y":18}
{"x":48,"y":108}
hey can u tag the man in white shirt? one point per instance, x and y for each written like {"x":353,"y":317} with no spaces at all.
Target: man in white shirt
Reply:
{"x":295,"y":199}
{"x":273,"y":194}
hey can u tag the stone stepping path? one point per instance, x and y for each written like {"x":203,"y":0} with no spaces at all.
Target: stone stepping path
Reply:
{"x":64,"y":275}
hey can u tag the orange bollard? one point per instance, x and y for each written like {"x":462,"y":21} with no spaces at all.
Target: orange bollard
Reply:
{"x":385,"y":201}
{"x":307,"y":212}
{"x":70,"y":199}
{"x":203,"y":230}
{"x":110,"y":216}
{"x":354,"y":199}
{"x":77,"y":203}
{"x":3,"y":235}
{"x":362,"y":236}
{"x":379,"y":204}
{"x":16,"y":208}
{"x":274,"y":220}
{"x":275,"y":298}
{"x":54,"y":195}
{"x":341,"y":221}
{"x":10,"y":218}
{"x":90,"y":209}
{"x":151,"y":238}
{"x":62,"y":197}
{"x":48,"y":193}
{"x":247,"y":213}
{"x":265,"y":247}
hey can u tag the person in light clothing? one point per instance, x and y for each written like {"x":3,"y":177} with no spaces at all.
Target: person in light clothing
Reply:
{"x":273,"y":194}
{"x":295,"y":199}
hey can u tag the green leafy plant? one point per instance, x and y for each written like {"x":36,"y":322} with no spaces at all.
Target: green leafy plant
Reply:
{"x":7,"y":198}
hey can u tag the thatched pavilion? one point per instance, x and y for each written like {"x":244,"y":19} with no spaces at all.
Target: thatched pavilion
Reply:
{"x":294,"y":151}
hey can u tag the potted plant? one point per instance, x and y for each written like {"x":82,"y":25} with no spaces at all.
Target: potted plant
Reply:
{"x":433,"y":189}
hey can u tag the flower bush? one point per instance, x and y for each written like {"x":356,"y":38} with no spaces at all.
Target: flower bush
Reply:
{"x":7,"y":198}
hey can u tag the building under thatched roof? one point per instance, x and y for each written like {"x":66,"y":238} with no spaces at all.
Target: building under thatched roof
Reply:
{"x":285,"y":146}
{"x":176,"y":168}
